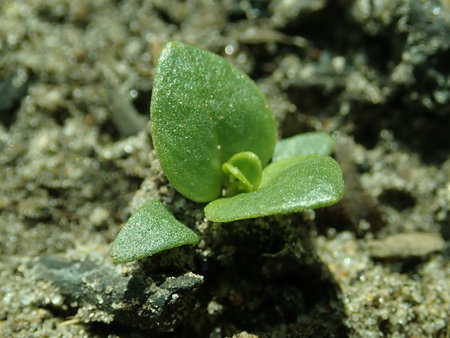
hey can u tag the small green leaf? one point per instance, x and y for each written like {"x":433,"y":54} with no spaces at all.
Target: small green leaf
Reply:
{"x":151,"y":229}
{"x":307,"y":143}
{"x":290,"y":185}
{"x":274,"y":169}
{"x":203,"y":111}
{"x":243,"y":173}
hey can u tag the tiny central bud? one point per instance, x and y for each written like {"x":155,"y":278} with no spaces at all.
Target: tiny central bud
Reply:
{"x":243,"y":173}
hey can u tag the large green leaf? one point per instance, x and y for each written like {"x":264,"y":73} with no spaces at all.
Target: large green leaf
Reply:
{"x":203,"y":111}
{"x":292,"y":184}
{"x":151,"y":229}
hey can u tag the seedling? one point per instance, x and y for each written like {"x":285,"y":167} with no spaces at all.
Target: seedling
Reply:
{"x":214,"y":134}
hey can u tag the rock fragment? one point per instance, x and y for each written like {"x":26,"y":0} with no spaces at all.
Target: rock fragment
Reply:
{"x":101,"y":293}
{"x":414,"y":244}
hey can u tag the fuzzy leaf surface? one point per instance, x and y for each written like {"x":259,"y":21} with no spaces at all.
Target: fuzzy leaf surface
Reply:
{"x":203,"y":111}
{"x":151,"y":229}
{"x":302,"y":144}
{"x":289,"y":185}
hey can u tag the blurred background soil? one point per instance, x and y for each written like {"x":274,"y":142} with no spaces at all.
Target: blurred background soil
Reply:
{"x":76,"y":158}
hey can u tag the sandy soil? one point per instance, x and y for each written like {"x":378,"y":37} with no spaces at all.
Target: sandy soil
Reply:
{"x":76,"y":159}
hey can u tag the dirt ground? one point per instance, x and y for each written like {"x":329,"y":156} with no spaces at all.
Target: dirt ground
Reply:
{"x":76,"y":159}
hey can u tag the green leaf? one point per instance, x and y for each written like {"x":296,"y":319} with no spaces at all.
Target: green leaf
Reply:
{"x":307,"y":143}
{"x":289,"y":185}
{"x":151,"y":229}
{"x":244,"y":171}
{"x":203,"y":111}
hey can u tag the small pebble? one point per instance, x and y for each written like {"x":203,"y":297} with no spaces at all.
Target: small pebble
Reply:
{"x":414,"y":244}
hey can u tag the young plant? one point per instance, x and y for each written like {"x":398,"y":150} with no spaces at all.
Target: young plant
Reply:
{"x":214,"y":134}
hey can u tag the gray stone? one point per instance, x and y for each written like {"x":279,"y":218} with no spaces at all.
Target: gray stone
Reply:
{"x":134,"y":300}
